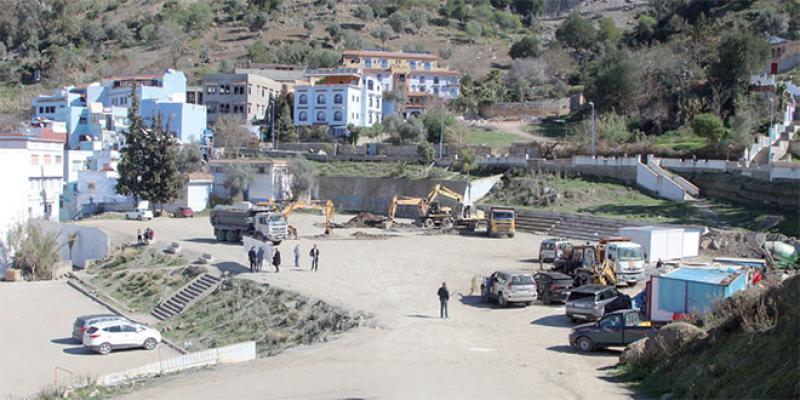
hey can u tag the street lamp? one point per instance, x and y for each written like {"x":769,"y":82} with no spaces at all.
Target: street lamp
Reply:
{"x":591,"y":103}
{"x":769,"y":131}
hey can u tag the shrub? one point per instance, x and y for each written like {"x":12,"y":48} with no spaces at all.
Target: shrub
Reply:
{"x":419,"y":17}
{"x":398,"y":21}
{"x":258,"y":53}
{"x":426,"y":152}
{"x":528,"y":46}
{"x":709,"y":126}
{"x":364,"y":12}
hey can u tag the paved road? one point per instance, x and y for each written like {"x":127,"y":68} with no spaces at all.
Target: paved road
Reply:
{"x":407,"y":352}
{"x":35,"y":337}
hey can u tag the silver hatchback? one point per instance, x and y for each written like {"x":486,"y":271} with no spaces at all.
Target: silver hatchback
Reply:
{"x":510,"y":287}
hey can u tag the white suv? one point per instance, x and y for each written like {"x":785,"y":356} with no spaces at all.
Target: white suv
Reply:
{"x":107,"y":336}
{"x":139,"y":214}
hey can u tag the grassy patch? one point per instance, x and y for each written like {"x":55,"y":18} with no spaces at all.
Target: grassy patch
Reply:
{"x":140,"y":279}
{"x":489,"y":137}
{"x":398,"y":169}
{"x":678,"y":141}
{"x":242,"y":310}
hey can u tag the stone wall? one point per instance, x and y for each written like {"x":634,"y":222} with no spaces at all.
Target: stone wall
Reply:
{"x":537,"y":108}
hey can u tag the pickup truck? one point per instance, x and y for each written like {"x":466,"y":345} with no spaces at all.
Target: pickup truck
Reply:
{"x":618,"y":328}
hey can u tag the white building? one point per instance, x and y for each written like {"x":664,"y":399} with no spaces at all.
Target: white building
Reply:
{"x":338,"y":98}
{"x":197,"y":193}
{"x":268,"y":179}
{"x":32,"y":162}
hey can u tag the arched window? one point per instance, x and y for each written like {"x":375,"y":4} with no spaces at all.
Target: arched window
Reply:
{"x":303,"y":99}
{"x":321,"y":116}
{"x":302,"y":116}
{"x":370,"y":85}
{"x":338,"y":116}
{"x":321,"y":99}
{"x":337,"y":98}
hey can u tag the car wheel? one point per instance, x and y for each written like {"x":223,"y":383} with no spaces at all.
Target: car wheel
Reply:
{"x":139,"y":218}
{"x":447,"y":224}
{"x":150,"y":344}
{"x":104,"y":348}
{"x":585,"y":345}
{"x":428,"y":223}
{"x":501,"y":300}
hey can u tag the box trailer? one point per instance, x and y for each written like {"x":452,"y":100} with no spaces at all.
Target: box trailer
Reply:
{"x":691,"y":291}
{"x":664,"y":243}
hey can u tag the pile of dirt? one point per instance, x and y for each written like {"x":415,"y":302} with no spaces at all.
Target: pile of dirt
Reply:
{"x":371,"y":236}
{"x":732,"y":243}
{"x":365,"y":220}
{"x":274,"y":318}
{"x":748,"y":350}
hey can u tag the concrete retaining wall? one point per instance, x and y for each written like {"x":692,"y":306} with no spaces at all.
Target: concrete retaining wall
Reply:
{"x":236,"y":353}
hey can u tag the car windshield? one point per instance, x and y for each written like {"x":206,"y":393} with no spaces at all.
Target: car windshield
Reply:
{"x":630,"y":253}
{"x":522,"y":280}
{"x":275,"y":218}
{"x":547,"y":246}
{"x":503,"y":215}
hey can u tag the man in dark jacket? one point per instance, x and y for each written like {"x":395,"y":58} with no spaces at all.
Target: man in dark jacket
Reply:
{"x":251,"y":255}
{"x":276,"y":260}
{"x":314,"y":254}
{"x":444,"y":296}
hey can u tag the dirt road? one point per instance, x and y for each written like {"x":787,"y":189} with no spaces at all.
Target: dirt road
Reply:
{"x":407,"y":352}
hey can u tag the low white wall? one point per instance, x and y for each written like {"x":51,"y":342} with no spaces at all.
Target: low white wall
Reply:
{"x":665,"y":188}
{"x":235,"y":353}
{"x":606,"y":161}
{"x":90,"y":244}
{"x":784,"y":173}
{"x":479,"y":188}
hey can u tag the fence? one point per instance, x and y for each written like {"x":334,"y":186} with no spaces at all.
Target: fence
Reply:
{"x":236,"y":353}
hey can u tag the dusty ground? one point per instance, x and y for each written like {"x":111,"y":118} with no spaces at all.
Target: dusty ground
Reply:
{"x":406,"y":351}
{"x":36,"y":337}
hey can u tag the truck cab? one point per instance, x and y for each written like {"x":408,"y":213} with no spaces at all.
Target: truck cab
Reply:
{"x":502,"y":222}
{"x":628,"y":260}
{"x":270,"y":226}
{"x":619,"y":328}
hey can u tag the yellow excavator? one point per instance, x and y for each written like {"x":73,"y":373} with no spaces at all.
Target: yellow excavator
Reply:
{"x":324,"y":205}
{"x":433,"y":214}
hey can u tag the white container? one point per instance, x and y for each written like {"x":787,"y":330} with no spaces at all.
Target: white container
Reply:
{"x":664,"y":243}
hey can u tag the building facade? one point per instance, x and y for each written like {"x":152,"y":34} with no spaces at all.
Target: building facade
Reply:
{"x":33,"y":171}
{"x":338,"y":98}
{"x":269,"y":179}
{"x":243,"y":96}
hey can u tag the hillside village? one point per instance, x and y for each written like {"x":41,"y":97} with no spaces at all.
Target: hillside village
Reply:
{"x":603,"y":195}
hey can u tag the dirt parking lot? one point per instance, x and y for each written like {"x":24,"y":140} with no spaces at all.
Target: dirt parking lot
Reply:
{"x":406,"y":351}
{"x":36,"y":338}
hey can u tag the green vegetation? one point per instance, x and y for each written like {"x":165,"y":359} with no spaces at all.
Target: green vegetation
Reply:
{"x":140,"y":279}
{"x":243,"y":310}
{"x":489,"y":137}
{"x":749,"y":352}
{"x":604,"y":198}
{"x":399,"y":169}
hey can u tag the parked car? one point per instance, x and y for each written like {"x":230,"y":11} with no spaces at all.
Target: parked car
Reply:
{"x":589,"y":302}
{"x":141,"y":215}
{"x":510,"y":287}
{"x":552,"y":286}
{"x":84,"y":322}
{"x":183,"y":212}
{"x":618,"y":328}
{"x":551,"y":249}
{"x":104,"y":337}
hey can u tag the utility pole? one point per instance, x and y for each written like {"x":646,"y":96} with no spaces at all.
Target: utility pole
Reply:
{"x":591,"y":103}
{"x":441,"y":131}
{"x":272,"y":122}
{"x":769,"y":131}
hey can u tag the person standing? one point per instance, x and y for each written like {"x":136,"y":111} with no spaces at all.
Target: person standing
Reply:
{"x":259,"y":258}
{"x":444,"y":296}
{"x":139,"y":240}
{"x":659,"y":264}
{"x":297,"y":255}
{"x":314,"y":253}
{"x":251,"y":255}
{"x":276,"y":260}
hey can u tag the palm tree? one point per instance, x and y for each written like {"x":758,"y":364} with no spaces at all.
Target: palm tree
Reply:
{"x":38,"y":252}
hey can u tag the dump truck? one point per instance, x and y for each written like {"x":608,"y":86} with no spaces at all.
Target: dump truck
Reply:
{"x":502,"y":222}
{"x":265,"y":223}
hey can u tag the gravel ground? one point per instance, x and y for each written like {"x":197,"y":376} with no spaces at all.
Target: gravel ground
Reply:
{"x":405,"y":351}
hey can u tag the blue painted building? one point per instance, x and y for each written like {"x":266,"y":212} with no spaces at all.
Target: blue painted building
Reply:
{"x":692,"y":291}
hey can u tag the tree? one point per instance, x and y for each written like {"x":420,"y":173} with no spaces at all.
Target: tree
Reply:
{"x":433,"y":123}
{"x":467,"y":162}
{"x":197,"y":18}
{"x":419,"y":17}
{"x":645,"y":29}
{"x":172,"y":38}
{"x":576,"y":33}
{"x":614,"y":82}
{"x":354,"y":41}
{"x":321,"y":58}
{"x":334,"y":31}
{"x":190,"y":158}
{"x":526,"y":47}
{"x":398,"y":21}
{"x":381,"y":34}
{"x":740,"y":55}
{"x":230,"y":134}
{"x":234,"y":8}
{"x":426,"y":152}
{"x":456,"y":9}
{"x":412,"y":131}
{"x":237,"y":177}
{"x":258,"y":52}
{"x":38,"y":251}
{"x":257,"y":21}
{"x":608,"y":31}
{"x":523,"y":75}
{"x":709,"y":126}
{"x":303,"y":176}
{"x":364,"y":12}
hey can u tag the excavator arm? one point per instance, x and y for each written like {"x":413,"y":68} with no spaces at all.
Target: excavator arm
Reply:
{"x":324,"y":205}
{"x":405,"y":201}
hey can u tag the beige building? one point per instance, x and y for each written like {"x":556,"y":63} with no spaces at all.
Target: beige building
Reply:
{"x":245,"y":96}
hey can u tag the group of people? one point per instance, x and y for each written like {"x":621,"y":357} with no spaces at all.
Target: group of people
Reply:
{"x":256,"y":258}
{"x":145,"y":237}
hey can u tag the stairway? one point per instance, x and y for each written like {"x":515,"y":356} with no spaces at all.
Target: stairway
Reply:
{"x":199,"y":287}
{"x":570,"y":226}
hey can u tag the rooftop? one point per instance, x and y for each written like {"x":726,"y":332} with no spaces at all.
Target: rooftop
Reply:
{"x":247,"y":161}
{"x":389,"y":54}
{"x":711,"y":275}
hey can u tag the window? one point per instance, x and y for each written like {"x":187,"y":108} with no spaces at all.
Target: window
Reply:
{"x":113,"y":329}
{"x":368,"y":63}
{"x":384,"y":63}
{"x":34,"y":159}
{"x":370,"y":85}
{"x":435,"y":80}
{"x":436,"y":90}
{"x":370,"y":118}
{"x":303,"y":99}
{"x":321,"y":99}
{"x":128,"y":328}
{"x":41,"y":110}
{"x":320,"y":115}
{"x":378,"y":102}
{"x":612,"y":321}
{"x":427,"y":66}
{"x":370,"y":101}
{"x":412,"y":64}
{"x":338,"y":116}
{"x":337,"y":98}
{"x":302,"y":116}
{"x":47,"y":159}
{"x":249,"y":89}
{"x":211,"y":89}
{"x":58,"y":159}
